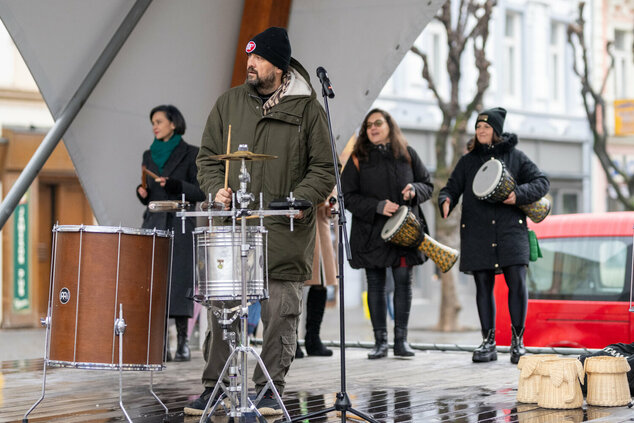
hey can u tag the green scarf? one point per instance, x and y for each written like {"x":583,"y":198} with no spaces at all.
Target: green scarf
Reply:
{"x":161,"y":150}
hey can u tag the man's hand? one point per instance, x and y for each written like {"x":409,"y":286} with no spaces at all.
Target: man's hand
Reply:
{"x":224,"y":196}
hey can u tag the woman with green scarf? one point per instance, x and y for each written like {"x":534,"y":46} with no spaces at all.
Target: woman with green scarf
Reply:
{"x":174,"y":162}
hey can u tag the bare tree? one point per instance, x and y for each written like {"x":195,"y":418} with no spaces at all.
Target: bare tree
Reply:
{"x":594,"y":105}
{"x":470,"y":24}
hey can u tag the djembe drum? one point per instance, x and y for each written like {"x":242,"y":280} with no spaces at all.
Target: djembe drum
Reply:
{"x":494,"y":183}
{"x":404,"y":229}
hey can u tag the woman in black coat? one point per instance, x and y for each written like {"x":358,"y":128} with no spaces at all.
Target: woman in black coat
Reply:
{"x":494,"y":236}
{"x":174,"y":161}
{"x":382,"y":174}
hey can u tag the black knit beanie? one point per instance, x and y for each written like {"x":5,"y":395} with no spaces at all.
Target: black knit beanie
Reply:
{"x":273,"y":45}
{"x":494,"y":117}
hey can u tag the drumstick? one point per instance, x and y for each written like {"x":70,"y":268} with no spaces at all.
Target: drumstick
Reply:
{"x":149,"y":172}
{"x":143,"y":182}
{"x":227,"y":161}
{"x":253,"y":216}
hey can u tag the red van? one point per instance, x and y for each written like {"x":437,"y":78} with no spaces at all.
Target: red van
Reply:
{"x":579,"y":291}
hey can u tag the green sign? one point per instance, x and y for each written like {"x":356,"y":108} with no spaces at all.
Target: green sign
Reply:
{"x":21,"y":299}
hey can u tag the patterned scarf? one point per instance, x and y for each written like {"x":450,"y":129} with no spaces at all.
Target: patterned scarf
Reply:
{"x":277,"y":95}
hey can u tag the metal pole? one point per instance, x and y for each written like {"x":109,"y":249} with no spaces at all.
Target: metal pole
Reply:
{"x":71,"y":110}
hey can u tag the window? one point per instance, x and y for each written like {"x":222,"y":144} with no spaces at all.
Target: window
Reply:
{"x":622,"y":64}
{"x":556,"y":56}
{"x":512,"y":60}
{"x":585,"y":268}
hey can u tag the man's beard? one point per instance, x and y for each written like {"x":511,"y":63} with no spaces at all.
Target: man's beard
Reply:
{"x":264,"y":84}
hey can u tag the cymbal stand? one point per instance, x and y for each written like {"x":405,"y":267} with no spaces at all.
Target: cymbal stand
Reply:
{"x":236,"y":365}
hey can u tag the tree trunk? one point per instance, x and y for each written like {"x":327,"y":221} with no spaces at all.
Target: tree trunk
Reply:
{"x":447,"y":233}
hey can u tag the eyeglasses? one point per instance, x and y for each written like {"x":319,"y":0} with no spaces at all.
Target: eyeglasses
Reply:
{"x":376,"y":123}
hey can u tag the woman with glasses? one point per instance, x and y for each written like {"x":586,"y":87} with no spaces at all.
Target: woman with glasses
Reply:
{"x":382,"y":174}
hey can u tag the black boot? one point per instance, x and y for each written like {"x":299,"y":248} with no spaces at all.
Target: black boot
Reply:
{"x":486,"y":351}
{"x":401,"y":347}
{"x":402,"y":306}
{"x":517,"y":344}
{"x":168,"y":353}
{"x":182,"y":348}
{"x":298,"y":351}
{"x":315,"y":306}
{"x":380,"y":345}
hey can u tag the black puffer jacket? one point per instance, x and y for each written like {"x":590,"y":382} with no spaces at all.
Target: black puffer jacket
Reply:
{"x":494,"y":235}
{"x":379,"y":178}
{"x":181,"y":170}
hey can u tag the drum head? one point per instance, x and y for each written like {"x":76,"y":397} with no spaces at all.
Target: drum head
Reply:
{"x":487,"y":178}
{"x":393,"y":223}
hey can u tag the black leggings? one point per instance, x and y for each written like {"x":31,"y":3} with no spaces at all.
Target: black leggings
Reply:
{"x":515,"y":277}
{"x":377,"y":302}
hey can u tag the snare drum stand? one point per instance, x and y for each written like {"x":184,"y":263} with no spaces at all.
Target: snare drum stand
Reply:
{"x":235,"y":368}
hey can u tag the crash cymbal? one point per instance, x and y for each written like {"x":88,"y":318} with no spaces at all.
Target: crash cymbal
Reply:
{"x":246,"y":155}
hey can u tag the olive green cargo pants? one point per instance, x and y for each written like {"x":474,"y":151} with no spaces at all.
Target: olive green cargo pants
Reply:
{"x":280,"y":317}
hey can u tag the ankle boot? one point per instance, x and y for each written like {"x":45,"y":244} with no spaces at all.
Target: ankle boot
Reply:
{"x":315,"y":306}
{"x":517,"y":344}
{"x":486,"y":351}
{"x":168,"y":353}
{"x":380,"y":345}
{"x":401,"y":347}
{"x":298,"y":351}
{"x":182,"y":347}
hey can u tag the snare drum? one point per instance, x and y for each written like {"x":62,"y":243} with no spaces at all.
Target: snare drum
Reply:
{"x":493,"y":182}
{"x":94,"y":270}
{"x":219,"y":265}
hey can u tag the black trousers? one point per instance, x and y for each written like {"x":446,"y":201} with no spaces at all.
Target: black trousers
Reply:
{"x":377,"y":302}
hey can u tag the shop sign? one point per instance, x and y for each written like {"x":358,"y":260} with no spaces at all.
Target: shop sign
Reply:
{"x":623,"y":117}
{"x":21,"y":297}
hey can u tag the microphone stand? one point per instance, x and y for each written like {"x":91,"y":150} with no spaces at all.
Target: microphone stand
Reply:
{"x":342,"y":403}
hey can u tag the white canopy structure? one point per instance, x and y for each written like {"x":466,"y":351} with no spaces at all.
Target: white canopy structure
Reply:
{"x":182,"y":53}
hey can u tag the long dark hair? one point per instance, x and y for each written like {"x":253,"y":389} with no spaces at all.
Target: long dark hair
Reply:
{"x":472,"y":142}
{"x":173,"y":115}
{"x":399,"y":143}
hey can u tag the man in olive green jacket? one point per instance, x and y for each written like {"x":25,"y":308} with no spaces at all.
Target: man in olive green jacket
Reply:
{"x":275,"y":112}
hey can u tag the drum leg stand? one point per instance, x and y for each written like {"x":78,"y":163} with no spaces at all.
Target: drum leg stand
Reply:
{"x":235,"y":368}
{"x":46,"y":323}
{"x":119,"y":330}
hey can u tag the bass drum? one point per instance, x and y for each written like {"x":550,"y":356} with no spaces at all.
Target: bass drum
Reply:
{"x":94,"y":270}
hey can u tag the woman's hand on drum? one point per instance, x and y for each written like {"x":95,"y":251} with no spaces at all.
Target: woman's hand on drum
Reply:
{"x":161,"y":180}
{"x":390,"y":208}
{"x":224,"y":196}
{"x":445,"y":208}
{"x":408,"y":192}
{"x":511,"y":199}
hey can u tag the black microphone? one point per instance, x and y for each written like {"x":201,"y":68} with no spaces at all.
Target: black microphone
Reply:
{"x":325,"y":82}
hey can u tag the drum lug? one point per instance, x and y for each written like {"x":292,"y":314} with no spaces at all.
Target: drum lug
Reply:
{"x":119,"y":326}
{"x":45,"y":322}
